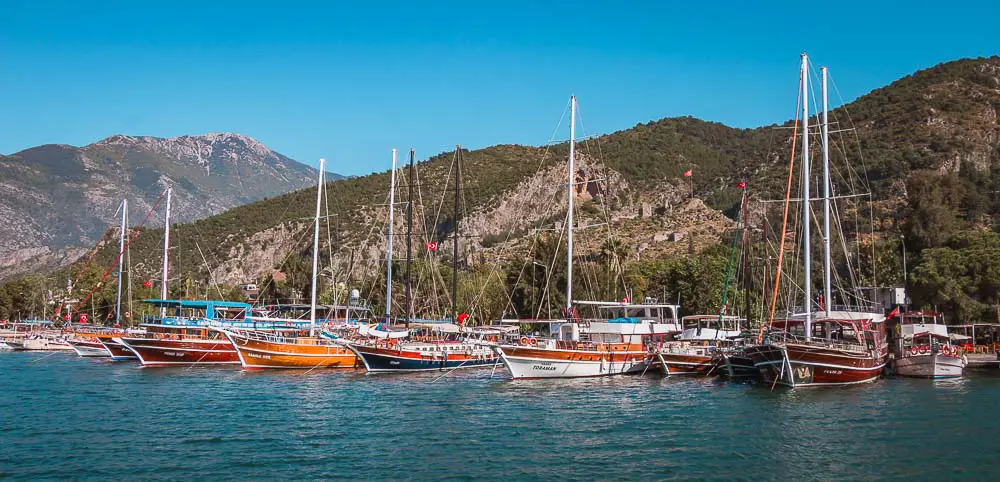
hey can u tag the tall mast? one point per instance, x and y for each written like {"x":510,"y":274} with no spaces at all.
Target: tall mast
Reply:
{"x":121,"y":260}
{"x":569,"y":215}
{"x":409,"y":241}
{"x":319,"y":197}
{"x":388,"y":249}
{"x":454,"y":258}
{"x":166,"y":255}
{"x":827,"y":271}
{"x":806,"y":248}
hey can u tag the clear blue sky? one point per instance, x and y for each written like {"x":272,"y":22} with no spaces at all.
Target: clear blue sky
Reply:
{"x":350,"y":80}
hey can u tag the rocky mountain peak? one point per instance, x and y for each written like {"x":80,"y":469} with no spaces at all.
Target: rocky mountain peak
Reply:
{"x":201,"y":149}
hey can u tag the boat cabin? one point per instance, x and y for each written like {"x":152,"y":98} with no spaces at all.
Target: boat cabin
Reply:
{"x":710,"y":327}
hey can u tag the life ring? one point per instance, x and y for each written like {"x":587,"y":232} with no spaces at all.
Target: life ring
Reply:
{"x":923,"y":349}
{"x":946,"y":350}
{"x":524,"y":341}
{"x":533,"y":341}
{"x":914,"y":350}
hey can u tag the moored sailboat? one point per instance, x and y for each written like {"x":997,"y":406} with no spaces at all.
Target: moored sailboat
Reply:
{"x":271,"y":349}
{"x":576,"y":347}
{"x":425,"y":346}
{"x":187,"y":334}
{"x":831,"y":345}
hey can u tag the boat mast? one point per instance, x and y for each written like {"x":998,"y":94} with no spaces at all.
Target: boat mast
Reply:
{"x":806,"y":248}
{"x":166,"y":255}
{"x":827,"y":271}
{"x":121,"y":259}
{"x":569,"y":215}
{"x":454,"y":258}
{"x":409,"y":241}
{"x":388,"y":249}
{"x":319,"y":197}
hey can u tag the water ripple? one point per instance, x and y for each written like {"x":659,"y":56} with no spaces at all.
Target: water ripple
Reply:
{"x":66,"y":417}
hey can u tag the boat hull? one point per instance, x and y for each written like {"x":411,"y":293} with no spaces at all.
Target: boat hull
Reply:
{"x":89,"y":348}
{"x":44,"y":344}
{"x":381,"y":360}
{"x":116,"y":350}
{"x":929,"y":366}
{"x":161,"y":352}
{"x":809,"y":366}
{"x":530,"y":362}
{"x":682,"y":364}
{"x":735,"y":366}
{"x":316,"y":353}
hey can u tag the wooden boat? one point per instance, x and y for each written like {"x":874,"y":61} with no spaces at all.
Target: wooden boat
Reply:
{"x":116,"y":350}
{"x":426,"y":346}
{"x":924,"y":349}
{"x":697,"y":349}
{"x":86,"y":340}
{"x":818,"y":344}
{"x":260,"y":349}
{"x":592,"y":348}
{"x":88,"y":346}
{"x":846,"y":349}
{"x":583,"y":348}
{"x":188,"y":335}
{"x":166,"y":346}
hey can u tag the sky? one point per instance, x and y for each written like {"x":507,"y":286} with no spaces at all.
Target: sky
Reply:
{"x":349,"y":81}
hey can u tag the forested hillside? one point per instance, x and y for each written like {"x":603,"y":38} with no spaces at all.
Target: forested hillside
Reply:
{"x":925,"y":146}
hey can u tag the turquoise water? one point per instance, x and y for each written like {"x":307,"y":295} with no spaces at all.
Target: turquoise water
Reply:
{"x":65,"y":417}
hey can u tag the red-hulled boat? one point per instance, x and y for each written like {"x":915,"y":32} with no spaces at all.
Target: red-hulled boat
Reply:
{"x":185,"y":337}
{"x":847,"y":348}
{"x":118,"y":351}
{"x":819,"y":345}
{"x":181,"y":346}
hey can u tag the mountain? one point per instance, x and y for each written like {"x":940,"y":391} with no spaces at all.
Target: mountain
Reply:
{"x":57,"y":200}
{"x":931,"y":138}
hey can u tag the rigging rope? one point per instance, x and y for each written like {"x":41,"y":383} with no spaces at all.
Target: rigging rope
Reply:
{"x":784,"y":222}
{"x":118,"y":258}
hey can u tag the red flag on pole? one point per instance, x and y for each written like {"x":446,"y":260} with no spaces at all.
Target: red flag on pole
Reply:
{"x":148,"y":283}
{"x":462,"y":317}
{"x":742,"y":185}
{"x":892,"y":314}
{"x":432,"y":246}
{"x":688,"y":173}
{"x":83,"y":318}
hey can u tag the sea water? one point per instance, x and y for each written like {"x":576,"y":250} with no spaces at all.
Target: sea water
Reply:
{"x":63,"y":417}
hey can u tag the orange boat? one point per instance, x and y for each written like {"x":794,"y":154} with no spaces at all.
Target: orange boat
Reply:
{"x":258,"y":349}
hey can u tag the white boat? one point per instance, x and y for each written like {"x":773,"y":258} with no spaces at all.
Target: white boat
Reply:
{"x":593,"y":348}
{"x":88,"y":347}
{"x":579,"y":348}
{"x":924,"y":349}
{"x":45,"y":343}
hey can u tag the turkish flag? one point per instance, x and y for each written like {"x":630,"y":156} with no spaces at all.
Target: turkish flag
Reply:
{"x":625,"y":299}
{"x":462,"y":317}
{"x":892,"y":314}
{"x":742,"y":185}
{"x":688,"y":173}
{"x":66,"y":317}
{"x":432,"y":246}
{"x":83,"y":318}
{"x":148,"y":284}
